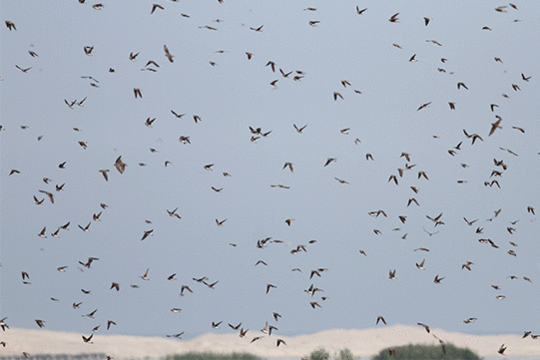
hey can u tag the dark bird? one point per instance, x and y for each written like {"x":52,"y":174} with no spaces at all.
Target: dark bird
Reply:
{"x":167,"y":54}
{"x":423,"y":106}
{"x":137,"y":92}
{"x":154,"y":7}
{"x":380,"y":318}
{"x":496,"y":125}
{"x":50,"y":195}
{"x":10,"y":25}
{"x":360,"y":12}
{"x":394,"y":18}
{"x":425,"y":327}
{"x":23,"y":70}
{"x":460,"y":84}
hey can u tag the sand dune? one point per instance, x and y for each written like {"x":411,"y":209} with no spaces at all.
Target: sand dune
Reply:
{"x":364,"y":343}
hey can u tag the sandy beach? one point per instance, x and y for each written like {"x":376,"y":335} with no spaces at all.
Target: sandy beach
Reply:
{"x":363,"y":343}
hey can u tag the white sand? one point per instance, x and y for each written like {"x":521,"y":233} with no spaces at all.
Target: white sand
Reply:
{"x":364,"y":343}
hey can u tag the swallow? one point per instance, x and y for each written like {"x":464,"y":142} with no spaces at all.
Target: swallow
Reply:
{"x":235,"y":327}
{"x":496,"y":125}
{"x":137,"y":92}
{"x":437,"y":279}
{"x":10,"y":25}
{"x":423,"y":106}
{"x":145,"y":276}
{"x":421,"y":265}
{"x":525,"y":78}
{"x":120,"y":165}
{"x":259,"y":29}
{"x":501,"y":349}
{"x":299,"y":130}
{"x":380,"y":318}
{"x":23,"y":70}
{"x":412,"y":200}
{"x":269,"y":286}
{"x":336,"y":95}
{"x":176,"y":335}
{"x":452,"y":105}
{"x":341,"y":181}
{"x":394,"y":18}
{"x":156,"y":6}
{"x":249,"y":55}
{"x":211,"y":286}
{"x":90,"y":315}
{"x":38,"y":202}
{"x":86,"y":228}
{"x":412,"y":58}
{"x":392,"y":275}
{"x":425,"y":327}
{"x":329,"y":160}
{"x":185,"y":287}
{"x":88,"y":50}
{"x":360,"y":12}
{"x":426,"y":20}
{"x":50,"y":195}
{"x":460,"y":84}
{"x":220,"y":223}
{"x":168,"y":54}
{"x":109,"y":323}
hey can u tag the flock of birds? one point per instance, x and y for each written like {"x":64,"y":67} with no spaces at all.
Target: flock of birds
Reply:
{"x":48,"y":194}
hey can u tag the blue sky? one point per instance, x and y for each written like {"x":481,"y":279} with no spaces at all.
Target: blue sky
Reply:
{"x":229,"y":97}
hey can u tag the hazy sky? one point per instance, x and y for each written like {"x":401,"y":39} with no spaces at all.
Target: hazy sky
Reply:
{"x":231,"y":93}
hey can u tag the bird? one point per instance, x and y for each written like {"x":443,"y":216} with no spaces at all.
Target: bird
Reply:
{"x":86,"y":228}
{"x":299,"y":130}
{"x":115,"y":285}
{"x":329,"y":161}
{"x":421,"y":265}
{"x":50,"y":195}
{"x":437,"y":279}
{"x":426,"y":20}
{"x":220,"y":223}
{"x":394,"y":18}
{"x":460,"y":84}
{"x":216,"y":325}
{"x":88,"y":50}
{"x":380,"y":318}
{"x":392,"y":274}
{"x":426,"y":327}
{"x":501,"y":350}
{"x":270,"y":286}
{"x":360,"y":12}
{"x":423,"y":106}
{"x":87,"y":339}
{"x":137,"y":92}
{"x":156,"y":6}
{"x":167,"y":54}
{"x":183,"y":288}
{"x":280,"y":341}
{"x":259,"y":29}
{"x":109,"y":323}
{"x":10,"y":25}
{"x":336,"y":95}
{"x":120,"y":165}
{"x":496,"y":125}
{"x":145,"y":275}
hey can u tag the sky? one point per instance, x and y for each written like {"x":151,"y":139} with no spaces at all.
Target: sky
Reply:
{"x":211,"y":77}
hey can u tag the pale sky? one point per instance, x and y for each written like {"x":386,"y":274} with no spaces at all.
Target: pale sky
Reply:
{"x":231,"y":93}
